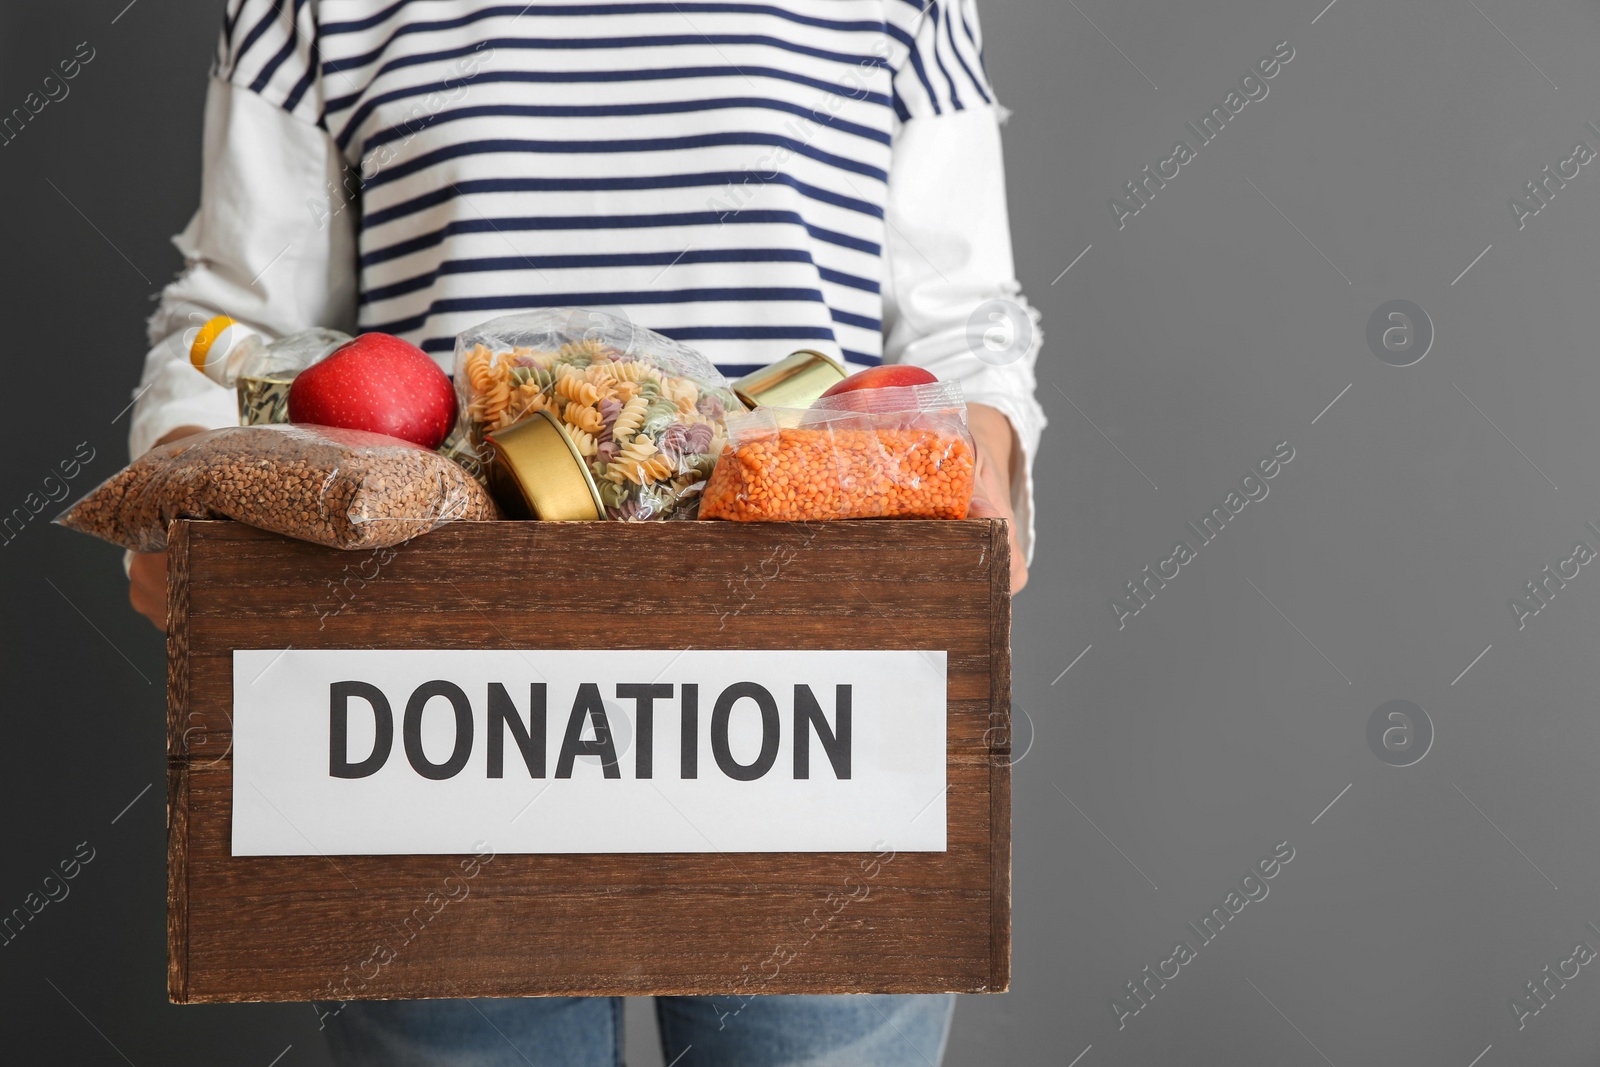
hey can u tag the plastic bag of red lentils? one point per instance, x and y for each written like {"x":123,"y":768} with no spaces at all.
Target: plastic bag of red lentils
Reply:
{"x":902,"y":452}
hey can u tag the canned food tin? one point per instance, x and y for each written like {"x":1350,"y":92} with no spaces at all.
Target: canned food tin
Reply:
{"x":535,"y":471}
{"x":793,"y":382}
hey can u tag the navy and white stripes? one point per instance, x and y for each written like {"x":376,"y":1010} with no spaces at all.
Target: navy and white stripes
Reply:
{"x":717,"y":171}
{"x":269,"y":48}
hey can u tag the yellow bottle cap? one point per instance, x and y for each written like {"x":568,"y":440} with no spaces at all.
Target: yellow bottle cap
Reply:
{"x":201,"y":346}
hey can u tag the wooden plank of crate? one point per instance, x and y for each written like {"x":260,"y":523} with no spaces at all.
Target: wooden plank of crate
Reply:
{"x":178,"y":703}
{"x":281,"y":927}
{"x":240,"y":592}
{"x":999,"y":758}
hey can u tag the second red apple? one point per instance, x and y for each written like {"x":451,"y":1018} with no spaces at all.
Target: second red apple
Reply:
{"x":887,"y":376}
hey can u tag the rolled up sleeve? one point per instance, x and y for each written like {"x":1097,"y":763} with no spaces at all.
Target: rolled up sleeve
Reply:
{"x":273,"y":242}
{"x":952,"y":303}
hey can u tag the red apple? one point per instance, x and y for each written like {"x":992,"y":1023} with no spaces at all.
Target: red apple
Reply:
{"x":884,"y":377}
{"x":378,"y":383}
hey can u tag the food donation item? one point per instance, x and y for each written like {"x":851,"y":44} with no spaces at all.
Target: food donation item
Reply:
{"x":377,"y":382}
{"x":887,"y":376}
{"x":583,"y":415}
{"x":901,"y":452}
{"x":231,"y":354}
{"x":793,"y":382}
{"x":335,"y":487}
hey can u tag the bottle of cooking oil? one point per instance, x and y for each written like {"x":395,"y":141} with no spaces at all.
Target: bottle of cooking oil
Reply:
{"x":232,"y":354}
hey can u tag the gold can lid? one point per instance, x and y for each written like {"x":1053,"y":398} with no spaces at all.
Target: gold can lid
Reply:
{"x":793,"y":382}
{"x":535,"y":471}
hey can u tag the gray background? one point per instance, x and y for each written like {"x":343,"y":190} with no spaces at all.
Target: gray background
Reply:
{"x":1191,"y":342}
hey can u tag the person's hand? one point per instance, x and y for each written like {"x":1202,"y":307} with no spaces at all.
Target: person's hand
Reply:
{"x":995,"y":438}
{"x":147,"y":574}
{"x":147,"y":586}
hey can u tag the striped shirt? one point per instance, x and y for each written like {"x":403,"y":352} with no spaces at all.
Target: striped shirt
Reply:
{"x":748,"y":178}
{"x":717,"y":171}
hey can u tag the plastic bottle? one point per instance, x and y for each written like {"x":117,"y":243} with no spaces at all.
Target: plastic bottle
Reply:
{"x":261,"y":371}
{"x":227,"y":351}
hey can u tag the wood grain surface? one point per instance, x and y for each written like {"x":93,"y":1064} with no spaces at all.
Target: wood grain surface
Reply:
{"x":354,"y":927}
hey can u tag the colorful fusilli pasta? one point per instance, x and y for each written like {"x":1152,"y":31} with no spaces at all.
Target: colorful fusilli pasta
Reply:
{"x":644,"y":411}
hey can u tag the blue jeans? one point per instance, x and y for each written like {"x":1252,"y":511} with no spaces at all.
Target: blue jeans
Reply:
{"x":763,"y":1031}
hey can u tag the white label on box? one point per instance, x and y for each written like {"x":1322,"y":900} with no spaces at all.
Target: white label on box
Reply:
{"x":381,"y":751}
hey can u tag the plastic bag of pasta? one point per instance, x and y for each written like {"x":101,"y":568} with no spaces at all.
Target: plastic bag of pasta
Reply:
{"x":582,"y":415}
{"x":898,"y":452}
{"x":334,"y":487}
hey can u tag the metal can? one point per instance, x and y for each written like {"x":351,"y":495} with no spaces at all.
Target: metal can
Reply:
{"x":536,"y":472}
{"x":793,"y":382}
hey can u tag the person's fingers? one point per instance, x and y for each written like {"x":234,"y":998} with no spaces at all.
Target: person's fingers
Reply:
{"x":147,"y":587}
{"x":145,"y":604}
{"x":147,"y":607}
{"x":1019,"y":562}
{"x":147,"y":573}
{"x":982,"y":509}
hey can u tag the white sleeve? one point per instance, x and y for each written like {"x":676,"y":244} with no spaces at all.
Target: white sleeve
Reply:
{"x":272,"y":245}
{"x":952,"y":303}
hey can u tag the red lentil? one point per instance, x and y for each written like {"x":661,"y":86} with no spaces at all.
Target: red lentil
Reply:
{"x":801,"y":473}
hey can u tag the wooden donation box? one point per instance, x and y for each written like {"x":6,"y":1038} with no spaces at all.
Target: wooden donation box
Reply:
{"x":537,"y":758}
